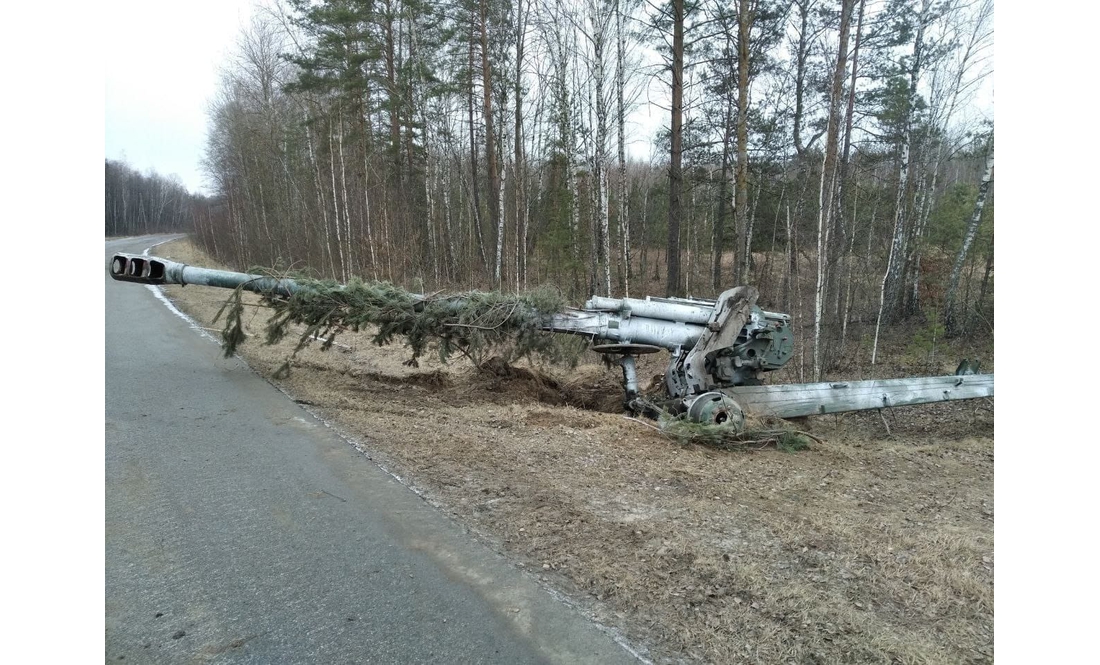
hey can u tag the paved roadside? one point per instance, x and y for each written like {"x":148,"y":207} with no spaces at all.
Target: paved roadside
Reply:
{"x":240,"y":529}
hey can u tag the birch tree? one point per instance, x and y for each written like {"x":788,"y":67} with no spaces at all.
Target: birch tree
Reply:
{"x":950,"y":317}
{"x":827,"y":190}
{"x":676,"y":153}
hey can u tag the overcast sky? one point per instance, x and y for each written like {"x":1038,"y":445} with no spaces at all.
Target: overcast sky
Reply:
{"x":162,"y":69}
{"x":161,"y":61}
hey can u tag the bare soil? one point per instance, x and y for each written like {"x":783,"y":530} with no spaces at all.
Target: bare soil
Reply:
{"x":869,"y":547}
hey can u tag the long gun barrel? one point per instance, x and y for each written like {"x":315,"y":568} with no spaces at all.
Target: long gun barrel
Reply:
{"x":155,"y":270}
{"x":665,"y":332}
{"x":665,"y":323}
{"x":719,"y":348}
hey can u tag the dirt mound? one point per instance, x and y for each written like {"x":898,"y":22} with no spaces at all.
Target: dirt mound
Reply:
{"x":589,"y":387}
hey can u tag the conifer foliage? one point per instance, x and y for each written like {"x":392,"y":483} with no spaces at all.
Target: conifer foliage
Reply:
{"x":474,"y":324}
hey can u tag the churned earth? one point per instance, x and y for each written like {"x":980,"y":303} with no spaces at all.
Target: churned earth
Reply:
{"x":875,"y":545}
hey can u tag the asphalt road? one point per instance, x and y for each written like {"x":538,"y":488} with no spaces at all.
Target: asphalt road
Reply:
{"x":240,"y":529}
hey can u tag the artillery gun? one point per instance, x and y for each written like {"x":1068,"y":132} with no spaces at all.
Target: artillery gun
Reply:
{"x":719,"y":349}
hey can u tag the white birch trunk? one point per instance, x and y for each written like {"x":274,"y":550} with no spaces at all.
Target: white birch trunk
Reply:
{"x":620,"y":84}
{"x":918,"y":234}
{"x":429,"y":197}
{"x":318,"y":186}
{"x":367,"y":218}
{"x":899,"y":250}
{"x":605,"y":232}
{"x":336,"y":209}
{"x":351,"y":268}
{"x":599,"y":41}
{"x":823,"y":228}
{"x":894,"y":250}
{"x":452,"y":253}
{"x":500,"y":229}
{"x":790,"y":260}
{"x":827,"y":190}
{"x":746,"y":270}
{"x":968,"y":240}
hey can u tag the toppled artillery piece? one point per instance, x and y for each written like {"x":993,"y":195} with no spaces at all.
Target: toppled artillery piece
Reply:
{"x":719,"y":349}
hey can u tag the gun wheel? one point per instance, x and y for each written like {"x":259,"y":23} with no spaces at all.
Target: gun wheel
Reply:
{"x":626,"y":349}
{"x":715,"y":408}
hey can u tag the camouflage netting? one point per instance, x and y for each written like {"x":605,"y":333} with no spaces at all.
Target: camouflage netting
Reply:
{"x":474,"y":323}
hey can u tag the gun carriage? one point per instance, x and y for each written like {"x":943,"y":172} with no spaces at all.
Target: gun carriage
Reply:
{"x":719,"y":350}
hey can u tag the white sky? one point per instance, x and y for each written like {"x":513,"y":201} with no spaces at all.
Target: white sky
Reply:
{"x":161,"y":63}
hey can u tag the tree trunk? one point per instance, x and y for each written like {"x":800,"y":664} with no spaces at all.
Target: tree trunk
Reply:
{"x":620,"y":84}
{"x":895,"y":268}
{"x":490,"y":138}
{"x":828,"y":183}
{"x":802,"y":51}
{"x":723,"y":192}
{"x":745,"y":18}
{"x":950,"y":318}
{"x":500,"y":234}
{"x":842,"y":180}
{"x":984,"y":287}
{"x":519,"y":170}
{"x":351,"y":264}
{"x":476,"y":199}
{"x":675,"y":173}
{"x":336,"y":210}
{"x":747,"y":264}
{"x":391,"y":83}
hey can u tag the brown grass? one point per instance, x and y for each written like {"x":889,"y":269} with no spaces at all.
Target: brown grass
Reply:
{"x":862,"y":549}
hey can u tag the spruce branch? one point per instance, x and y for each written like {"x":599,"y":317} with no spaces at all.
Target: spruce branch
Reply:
{"x":474,"y":323}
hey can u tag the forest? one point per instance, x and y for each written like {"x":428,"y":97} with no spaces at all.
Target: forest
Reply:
{"x":140,"y":203}
{"x":837,"y":154}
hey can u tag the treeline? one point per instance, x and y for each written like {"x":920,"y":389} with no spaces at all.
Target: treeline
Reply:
{"x":137,"y":204}
{"x":826,"y":151}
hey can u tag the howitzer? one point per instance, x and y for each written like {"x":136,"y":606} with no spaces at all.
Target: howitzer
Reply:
{"x":719,"y":349}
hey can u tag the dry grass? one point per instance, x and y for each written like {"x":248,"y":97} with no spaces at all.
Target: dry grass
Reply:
{"x":861,"y":549}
